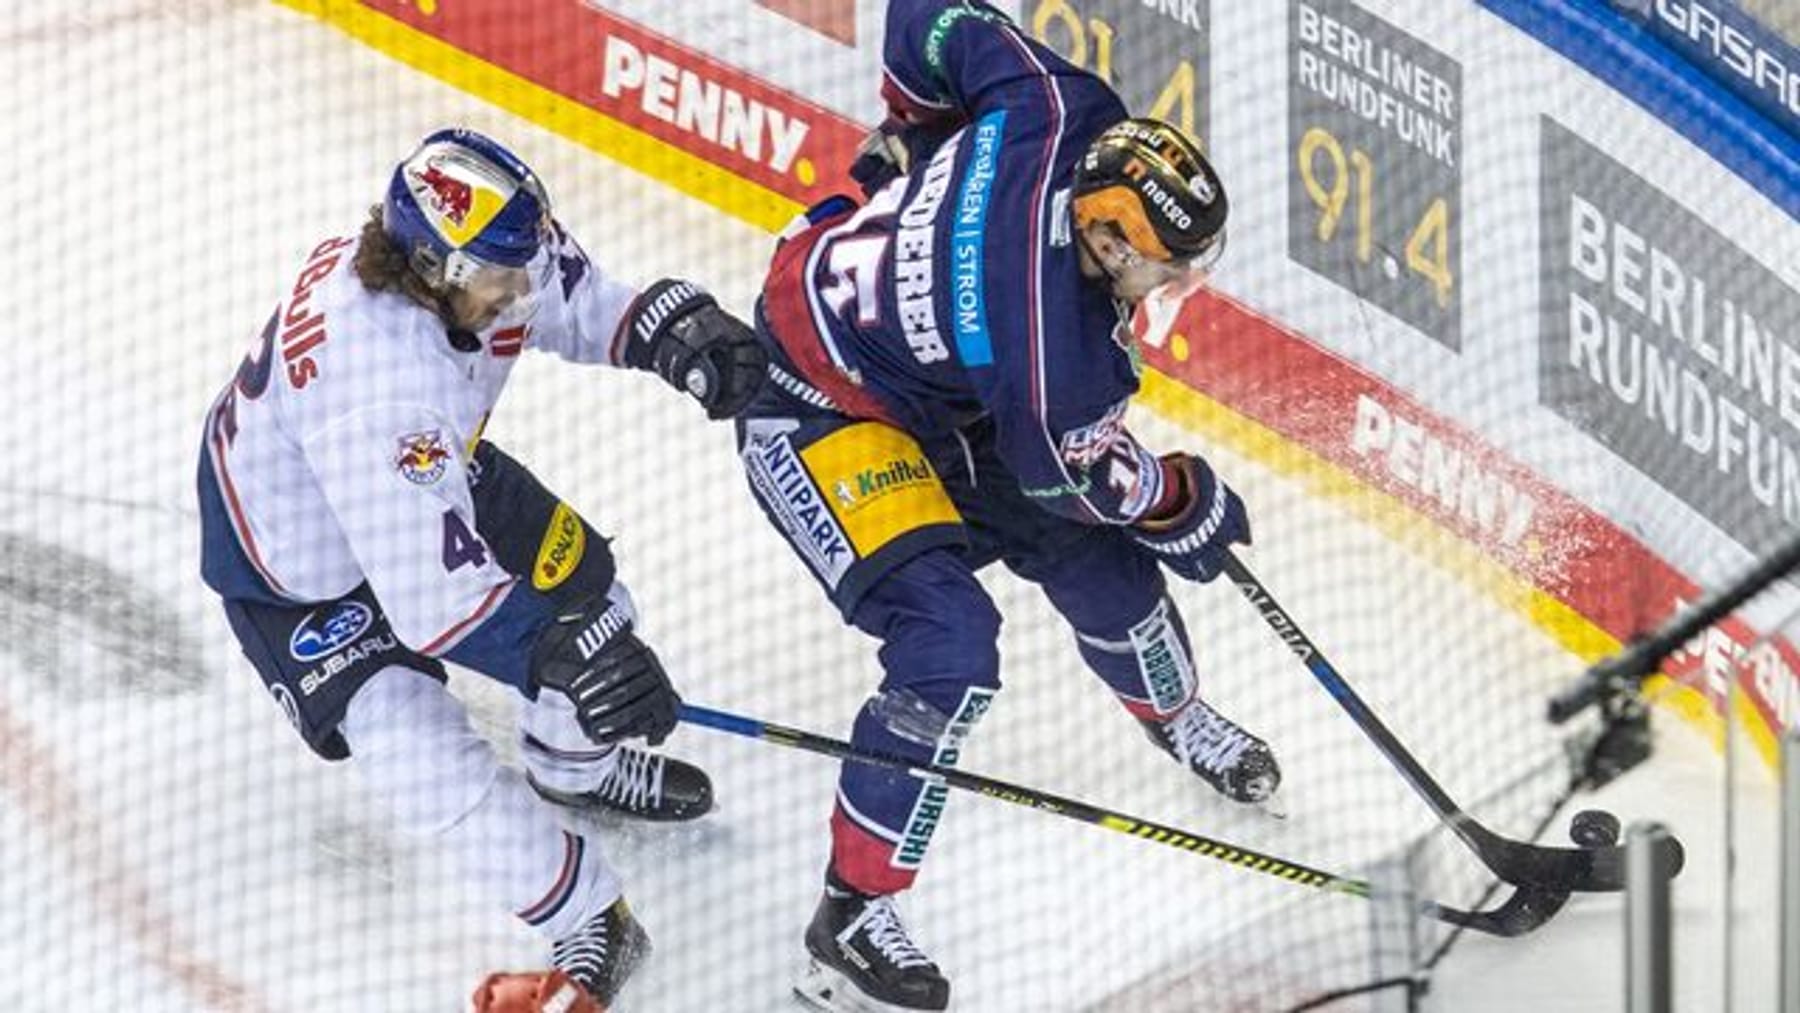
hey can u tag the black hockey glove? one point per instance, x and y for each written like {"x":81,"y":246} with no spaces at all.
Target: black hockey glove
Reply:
{"x":893,"y":148}
{"x":1203,"y":520}
{"x":881,"y":158}
{"x":679,"y":332}
{"x":619,"y":689}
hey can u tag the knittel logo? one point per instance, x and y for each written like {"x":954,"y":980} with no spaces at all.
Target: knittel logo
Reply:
{"x":853,"y":492}
{"x":324,"y":630}
{"x":422,"y":458}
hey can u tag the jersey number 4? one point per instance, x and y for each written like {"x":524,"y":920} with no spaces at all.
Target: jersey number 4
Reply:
{"x":462,"y":547}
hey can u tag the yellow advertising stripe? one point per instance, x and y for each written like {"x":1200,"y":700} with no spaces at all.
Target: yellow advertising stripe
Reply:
{"x":1765,"y":738}
{"x":648,"y":155}
{"x":761,"y":207}
{"x":878,"y":484}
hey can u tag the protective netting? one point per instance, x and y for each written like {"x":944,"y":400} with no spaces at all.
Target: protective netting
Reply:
{"x":1410,"y":378}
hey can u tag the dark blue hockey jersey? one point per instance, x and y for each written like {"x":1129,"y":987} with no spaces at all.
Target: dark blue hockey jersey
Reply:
{"x":956,"y":292}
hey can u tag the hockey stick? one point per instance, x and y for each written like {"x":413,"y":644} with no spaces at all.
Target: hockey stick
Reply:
{"x":1525,"y":910}
{"x":1537,"y":867}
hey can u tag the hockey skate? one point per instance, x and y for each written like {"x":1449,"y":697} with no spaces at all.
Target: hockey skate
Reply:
{"x":864,"y":962}
{"x":643,"y":785}
{"x":601,"y":954}
{"x":1238,"y":765}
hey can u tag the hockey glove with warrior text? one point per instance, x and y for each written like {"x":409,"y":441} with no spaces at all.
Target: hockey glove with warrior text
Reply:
{"x":679,"y":332}
{"x":1198,"y":522}
{"x":619,"y":689}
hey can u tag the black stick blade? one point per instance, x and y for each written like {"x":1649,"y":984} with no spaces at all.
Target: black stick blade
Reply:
{"x":1524,"y":911}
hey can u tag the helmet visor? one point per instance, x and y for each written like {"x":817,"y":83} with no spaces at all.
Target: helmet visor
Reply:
{"x":493,"y":293}
{"x":1174,"y":280}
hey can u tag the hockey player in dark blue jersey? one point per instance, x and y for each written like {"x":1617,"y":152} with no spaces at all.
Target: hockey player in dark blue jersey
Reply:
{"x":950,"y":367}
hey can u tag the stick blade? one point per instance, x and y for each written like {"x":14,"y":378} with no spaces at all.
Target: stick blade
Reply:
{"x":1527,"y":909}
{"x":1577,"y":870}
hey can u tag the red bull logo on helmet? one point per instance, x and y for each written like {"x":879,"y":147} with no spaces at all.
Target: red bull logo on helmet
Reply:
{"x":458,"y":198}
{"x":449,"y":197}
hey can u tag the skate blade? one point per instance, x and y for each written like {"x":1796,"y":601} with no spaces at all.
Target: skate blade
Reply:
{"x":821,"y":987}
{"x":1274,"y":806}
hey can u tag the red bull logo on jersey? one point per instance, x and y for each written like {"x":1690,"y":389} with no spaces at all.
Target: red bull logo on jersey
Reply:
{"x":422,"y":458}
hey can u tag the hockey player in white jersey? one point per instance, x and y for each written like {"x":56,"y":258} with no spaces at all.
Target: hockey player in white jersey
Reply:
{"x":360,"y":531}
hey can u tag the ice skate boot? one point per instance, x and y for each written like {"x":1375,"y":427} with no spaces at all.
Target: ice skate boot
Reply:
{"x":1238,"y":765}
{"x":647,"y":786}
{"x":601,"y":954}
{"x":864,"y":962}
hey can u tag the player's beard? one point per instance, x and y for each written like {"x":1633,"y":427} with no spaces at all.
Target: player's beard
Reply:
{"x":471,"y":313}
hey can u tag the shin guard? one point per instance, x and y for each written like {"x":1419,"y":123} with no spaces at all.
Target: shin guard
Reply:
{"x":884,"y":820}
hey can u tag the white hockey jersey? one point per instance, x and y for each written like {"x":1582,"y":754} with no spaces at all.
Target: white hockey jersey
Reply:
{"x":341,"y":447}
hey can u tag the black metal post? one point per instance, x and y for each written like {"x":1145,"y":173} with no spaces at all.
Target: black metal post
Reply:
{"x":1648,"y":978}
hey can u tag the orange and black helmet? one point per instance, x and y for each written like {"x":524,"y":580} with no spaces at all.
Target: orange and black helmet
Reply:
{"x":1151,"y":181}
